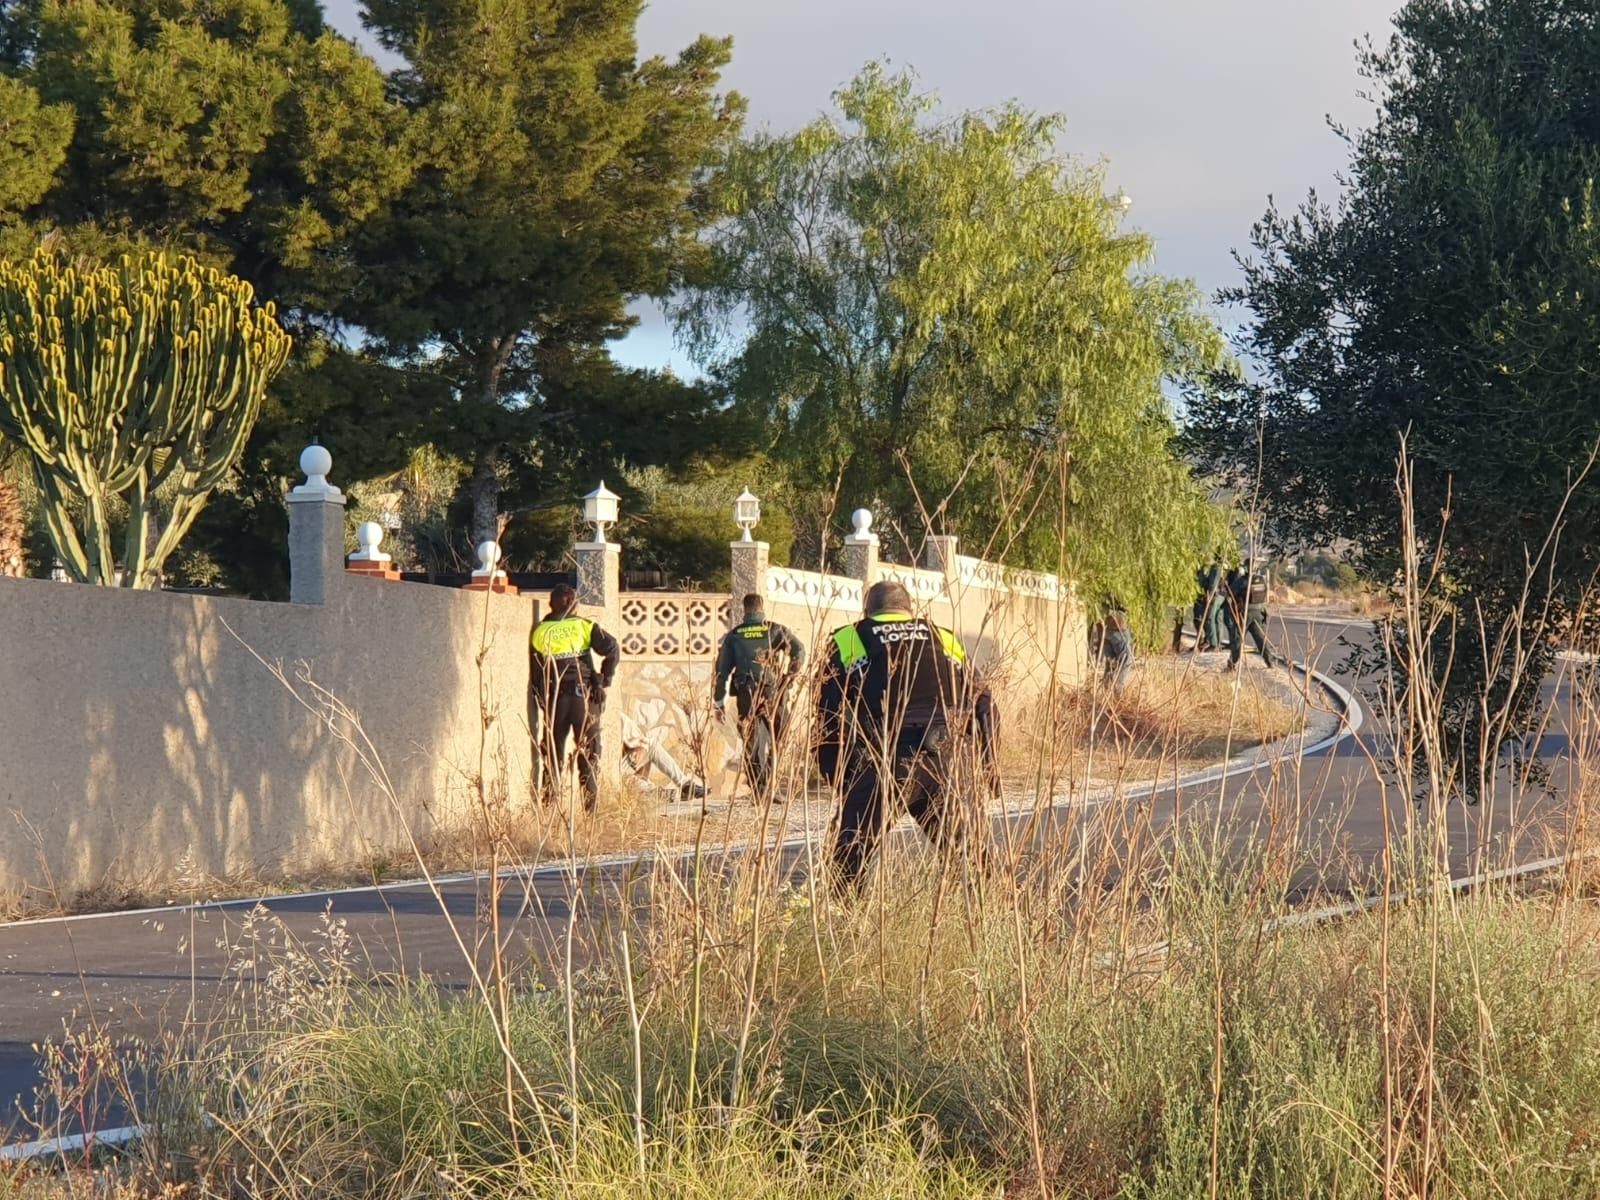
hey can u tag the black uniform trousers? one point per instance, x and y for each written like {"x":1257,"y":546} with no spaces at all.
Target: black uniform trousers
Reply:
{"x":761,"y":722}
{"x":1255,"y":625}
{"x":914,"y":773}
{"x":574,"y":714}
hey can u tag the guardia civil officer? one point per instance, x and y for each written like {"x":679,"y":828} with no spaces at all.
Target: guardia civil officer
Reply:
{"x":568,"y":690}
{"x":1247,"y":613}
{"x":1208,"y":608}
{"x":898,"y":702}
{"x":758,"y":660}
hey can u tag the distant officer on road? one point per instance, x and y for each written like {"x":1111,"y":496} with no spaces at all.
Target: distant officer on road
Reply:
{"x":1208,"y":608}
{"x":758,"y":659}
{"x":568,"y":691}
{"x":898,"y":701}
{"x":1247,"y":613}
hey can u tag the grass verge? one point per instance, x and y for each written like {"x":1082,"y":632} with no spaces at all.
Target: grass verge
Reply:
{"x":944,"y":1037}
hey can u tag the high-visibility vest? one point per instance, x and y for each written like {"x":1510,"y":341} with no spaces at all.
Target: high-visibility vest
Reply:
{"x":563,"y":638}
{"x":853,"y":651}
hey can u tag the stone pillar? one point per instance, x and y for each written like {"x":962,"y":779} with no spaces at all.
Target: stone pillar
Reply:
{"x":600,"y":576}
{"x":940,"y":555}
{"x":861,"y":549}
{"x":316,"y":532}
{"x":600,"y":592}
{"x":750,"y":562}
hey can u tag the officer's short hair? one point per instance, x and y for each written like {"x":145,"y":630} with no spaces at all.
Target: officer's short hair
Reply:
{"x":562,"y":598}
{"x":887,"y":596}
{"x":753,"y":603}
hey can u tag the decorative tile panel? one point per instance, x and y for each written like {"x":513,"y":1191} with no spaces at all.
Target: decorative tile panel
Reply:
{"x":673,"y":626}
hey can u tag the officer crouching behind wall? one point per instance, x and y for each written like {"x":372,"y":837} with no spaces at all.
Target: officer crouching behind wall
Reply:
{"x":898,"y":704}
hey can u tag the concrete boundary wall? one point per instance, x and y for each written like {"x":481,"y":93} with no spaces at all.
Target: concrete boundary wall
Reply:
{"x":145,"y":739}
{"x":146,"y":736}
{"x":1022,"y":628}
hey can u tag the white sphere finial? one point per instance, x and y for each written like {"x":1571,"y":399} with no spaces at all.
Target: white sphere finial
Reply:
{"x":861,"y":522}
{"x":316,"y":462}
{"x":369,"y":536}
{"x":489,"y":561}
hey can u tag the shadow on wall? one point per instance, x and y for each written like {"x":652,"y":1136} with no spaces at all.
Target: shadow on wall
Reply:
{"x":145,"y":742}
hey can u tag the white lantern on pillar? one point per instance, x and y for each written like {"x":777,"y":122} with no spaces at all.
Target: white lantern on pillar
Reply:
{"x":746,"y":513}
{"x":600,"y":510}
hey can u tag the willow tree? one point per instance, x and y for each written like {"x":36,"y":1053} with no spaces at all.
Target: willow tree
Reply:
{"x":132,"y":389}
{"x":948,"y":320}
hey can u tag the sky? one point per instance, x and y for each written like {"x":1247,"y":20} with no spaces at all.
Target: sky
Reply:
{"x":1201,"y":109}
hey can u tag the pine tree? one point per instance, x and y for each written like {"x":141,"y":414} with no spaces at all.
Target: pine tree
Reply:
{"x":556,"y":177}
{"x":243,"y":132}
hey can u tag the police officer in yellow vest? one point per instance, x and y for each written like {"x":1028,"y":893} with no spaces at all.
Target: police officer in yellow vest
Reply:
{"x":568,"y":691}
{"x":897,"y":700}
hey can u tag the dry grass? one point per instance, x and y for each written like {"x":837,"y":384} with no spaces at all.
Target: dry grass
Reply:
{"x":1106,"y":1008}
{"x":1174,"y":715}
{"x":956,"y":1033}
{"x":1357,"y":601}
{"x":757,"y":1043}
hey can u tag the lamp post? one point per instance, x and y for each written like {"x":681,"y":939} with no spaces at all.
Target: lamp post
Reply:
{"x":599,"y":583}
{"x":600,"y":510}
{"x":746,"y":514}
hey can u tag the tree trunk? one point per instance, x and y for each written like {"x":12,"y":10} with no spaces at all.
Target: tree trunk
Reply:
{"x":485,"y":491}
{"x":485,"y":484}
{"x":12,"y":532}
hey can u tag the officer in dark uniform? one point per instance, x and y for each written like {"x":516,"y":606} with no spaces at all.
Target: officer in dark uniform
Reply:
{"x":567,"y":689}
{"x":1208,"y":607}
{"x":1247,"y":613}
{"x":758,"y":659}
{"x":896,"y":701}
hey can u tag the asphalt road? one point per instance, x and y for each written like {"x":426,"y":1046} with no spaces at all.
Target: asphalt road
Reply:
{"x":133,"y":975}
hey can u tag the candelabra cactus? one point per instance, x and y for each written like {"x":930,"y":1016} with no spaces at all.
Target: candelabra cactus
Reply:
{"x":133,"y":388}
